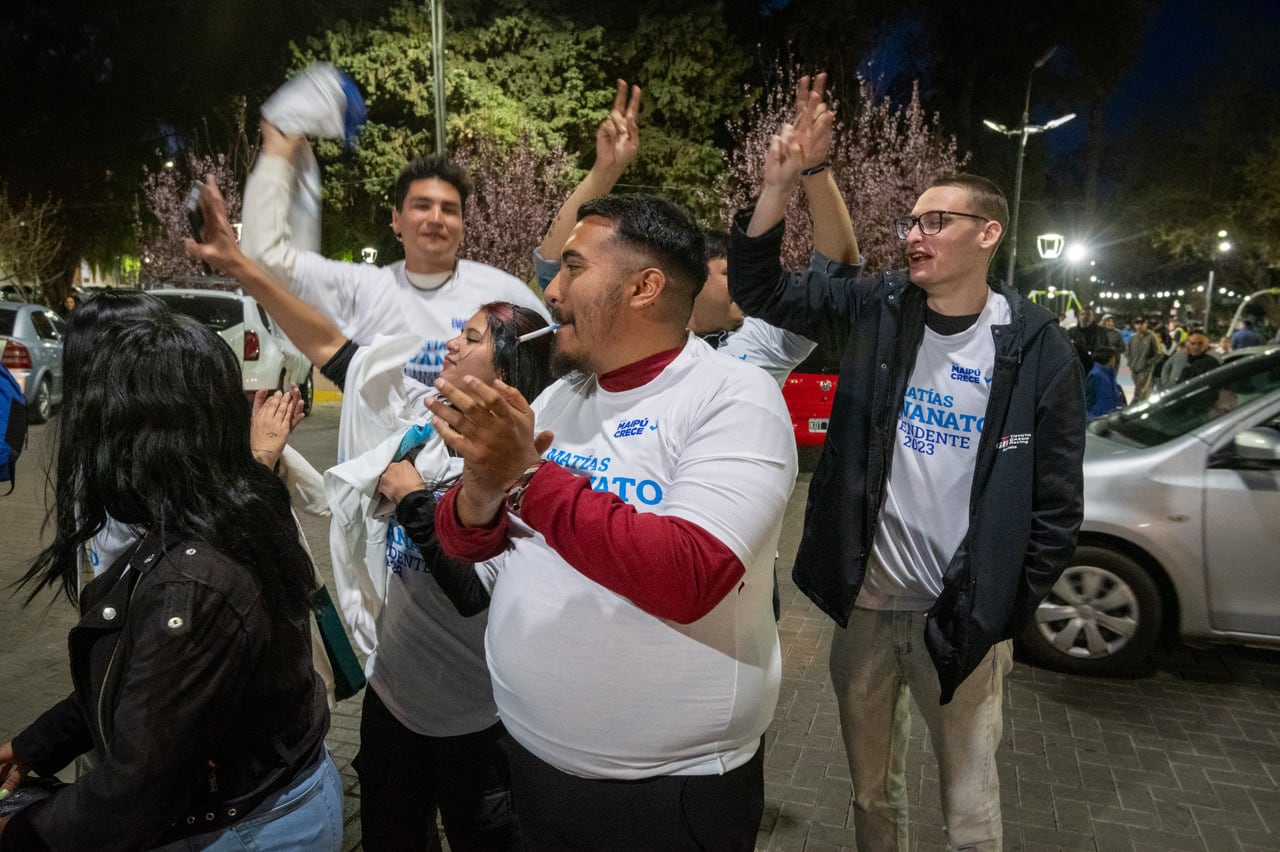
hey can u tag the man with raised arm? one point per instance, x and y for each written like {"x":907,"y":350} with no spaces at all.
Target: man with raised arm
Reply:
{"x":430,"y":294}
{"x":715,"y":317}
{"x":948,"y":494}
{"x":638,"y":501}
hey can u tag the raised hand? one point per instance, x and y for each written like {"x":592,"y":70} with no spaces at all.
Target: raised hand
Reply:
{"x":618,"y":136}
{"x":218,"y":247}
{"x":783,"y":161}
{"x":812,"y":125}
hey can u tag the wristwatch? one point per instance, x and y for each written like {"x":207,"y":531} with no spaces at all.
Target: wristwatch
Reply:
{"x":515,"y":494}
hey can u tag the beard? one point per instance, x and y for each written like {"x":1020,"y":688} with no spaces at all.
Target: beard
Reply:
{"x":564,"y":364}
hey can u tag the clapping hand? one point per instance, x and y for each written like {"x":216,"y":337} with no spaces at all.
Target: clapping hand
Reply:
{"x":491,"y":427}
{"x":275,"y":416}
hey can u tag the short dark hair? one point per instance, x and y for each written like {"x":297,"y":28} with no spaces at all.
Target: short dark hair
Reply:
{"x":1105,"y":354}
{"x":664,"y":233}
{"x":430,"y":166}
{"x":717,"y":244}
{"x":988,"y":198}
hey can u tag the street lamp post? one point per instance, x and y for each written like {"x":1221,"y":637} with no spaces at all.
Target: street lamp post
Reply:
{"x":1224,"y":246}
{"x":1022,"y":133}
{"x":435,"y":9}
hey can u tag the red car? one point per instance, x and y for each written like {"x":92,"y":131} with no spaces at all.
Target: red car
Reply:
{"x":808,"y":392}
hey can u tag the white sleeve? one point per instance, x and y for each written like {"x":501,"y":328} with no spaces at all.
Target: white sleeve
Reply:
{"x":732,"y":484}
{"x":305,"y":484}
{"x":265,"y":236}
{"x":281,"y":233}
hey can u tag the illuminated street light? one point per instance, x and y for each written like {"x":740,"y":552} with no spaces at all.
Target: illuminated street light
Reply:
{"x":1027,"y":129}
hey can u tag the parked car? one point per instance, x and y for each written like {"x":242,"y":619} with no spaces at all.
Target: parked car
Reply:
{"x":1181,"y":512}
{"x":1237,"y":354}
{"x":808,"y":392}
{"x":267,"y":358}
{"x":31,"y":341}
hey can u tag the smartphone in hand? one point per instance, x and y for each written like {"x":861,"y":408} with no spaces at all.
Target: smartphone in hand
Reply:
{"x":194,"y":216}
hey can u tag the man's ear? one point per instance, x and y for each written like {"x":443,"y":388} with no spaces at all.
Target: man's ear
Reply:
{"x":648,"y":287}
{"x":991,"y":235}
{"x":395,"y":221}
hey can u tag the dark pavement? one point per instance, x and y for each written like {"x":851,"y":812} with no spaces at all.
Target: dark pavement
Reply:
{"x":1185,"y":757}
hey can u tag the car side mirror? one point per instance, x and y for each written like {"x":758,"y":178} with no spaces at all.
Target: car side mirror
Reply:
{"x":1258,"y":447}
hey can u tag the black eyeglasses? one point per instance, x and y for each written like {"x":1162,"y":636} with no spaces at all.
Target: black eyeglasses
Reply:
{"x":930,"y":222}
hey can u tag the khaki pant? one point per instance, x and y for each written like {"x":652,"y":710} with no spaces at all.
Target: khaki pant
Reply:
{"x":876,"y":664}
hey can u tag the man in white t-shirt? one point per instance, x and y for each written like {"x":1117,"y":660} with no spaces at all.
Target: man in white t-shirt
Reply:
{"x":430,"y":294}
{"x":638,"y":501}
{"x":949,"y":491}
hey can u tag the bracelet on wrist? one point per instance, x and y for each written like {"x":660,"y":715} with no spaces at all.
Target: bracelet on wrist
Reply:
{"x":515,"y":494}
{"x":818,"y":169}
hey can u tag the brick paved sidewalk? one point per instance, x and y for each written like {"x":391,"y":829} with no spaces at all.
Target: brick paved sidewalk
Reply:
{"x":1187,"y":757}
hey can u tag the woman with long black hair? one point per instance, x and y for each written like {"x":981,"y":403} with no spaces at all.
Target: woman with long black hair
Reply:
{"x":192,"y":660}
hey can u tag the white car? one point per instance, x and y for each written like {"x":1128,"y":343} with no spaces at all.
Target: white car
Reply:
{"x":267,"y":358}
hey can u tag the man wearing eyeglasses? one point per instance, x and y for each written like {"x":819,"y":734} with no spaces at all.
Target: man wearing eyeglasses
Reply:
{"x":948,"y":494}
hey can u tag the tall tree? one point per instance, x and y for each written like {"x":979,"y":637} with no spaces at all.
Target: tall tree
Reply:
{"x":31,"y":242}
{"x":525,"y":70}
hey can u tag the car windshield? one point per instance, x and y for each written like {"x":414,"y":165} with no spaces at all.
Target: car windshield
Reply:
{"x":6,"y":322}
{"x":1195,"y":403}
{"x":215,"y":312}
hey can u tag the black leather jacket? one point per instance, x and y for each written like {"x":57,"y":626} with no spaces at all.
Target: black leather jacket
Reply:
{"x":196,"y":704}
{"x":1027,"y":499}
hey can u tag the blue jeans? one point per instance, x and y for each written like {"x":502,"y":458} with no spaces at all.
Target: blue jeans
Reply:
{"x":877,"y":665}
{"x":306,"y":815}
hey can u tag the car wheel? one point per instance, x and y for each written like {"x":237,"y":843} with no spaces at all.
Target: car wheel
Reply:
{"x":40,"y":408}
{"x":308,"y":391}
{"x":1101,"y":617}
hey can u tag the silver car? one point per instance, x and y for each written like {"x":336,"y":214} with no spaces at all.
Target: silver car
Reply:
{"x":1181,"y":526}
{"x":31,"y":341}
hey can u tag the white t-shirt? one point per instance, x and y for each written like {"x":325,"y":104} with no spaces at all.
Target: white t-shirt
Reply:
{"x":429,"y":666}
{"x":585,"y":679}
{"x":926,"y":508}
{"x":772,"y":349}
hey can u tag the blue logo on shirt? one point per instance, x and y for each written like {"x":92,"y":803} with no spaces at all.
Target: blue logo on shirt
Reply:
{"x":972,"y":375}
{"x":638,"y":426}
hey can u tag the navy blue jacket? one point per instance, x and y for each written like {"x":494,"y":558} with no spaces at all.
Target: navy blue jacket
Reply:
{"x":1027,"y":498}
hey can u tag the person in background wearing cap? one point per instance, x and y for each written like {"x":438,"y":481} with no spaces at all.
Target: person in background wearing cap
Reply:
{"x":1142,"y":353}
{"x":1113,"y":337}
